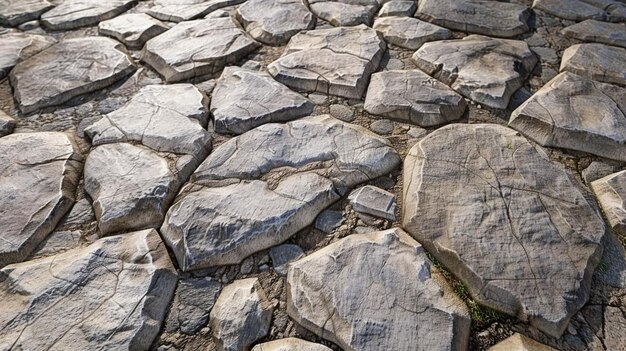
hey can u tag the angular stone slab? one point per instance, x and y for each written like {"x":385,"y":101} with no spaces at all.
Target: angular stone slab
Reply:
{"x":226,"y":213}
{"x":274,"y":22}
{"x":413,"y":96}
{"x":408,"y":32}
{"x":374,"y":201}
{"x":70,"y":68}
{"x":112,"y":294}
{"x":519,"y":342}
{"x":483,"y":69}
{"x":132,"y":29}
{"x":15,"y":12}
{"x":398,"y":8}
{"x":72,"y":14}
{"x":192,"y":302}
{"x":17,"y":47}
{"x":597,"y":31}
{"x":580,"y":10}
{"x":574,"y":112}
{"x":185,"y":10}
{"x":37,"y":186}
{"x":611,"y":192}
{"x":393,"y":303}
{"x":507,"y":221}
{"x":335,"y":61}
{"x":7,"y":124}
{"x":492,"y":18}
{"x":196,"y":48}
{"x":290,"y":344}
{"x":245,"y":99}
{"x":345,"y":12}
{"x":599,"y":62}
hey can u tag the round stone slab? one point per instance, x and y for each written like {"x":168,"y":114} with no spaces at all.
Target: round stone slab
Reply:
{"x":68,"y":69}
{"x":375,"y":291}
{"x":505,"y":220}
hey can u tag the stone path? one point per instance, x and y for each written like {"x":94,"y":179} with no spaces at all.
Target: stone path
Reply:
{"x":313,"y":175}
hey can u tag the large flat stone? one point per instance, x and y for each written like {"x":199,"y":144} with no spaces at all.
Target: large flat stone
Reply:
{"x":112,"y":294}
{"x":408,"y":32}
{"x":483,"y":69}
{"x":579,"y":10}
{"x":185,"y":10}
{"x":132,"y":29}
{"x":577,"y":113}
{"x":506,"y":221}
{"x":335,"y":61}
{"x":71,"y":14}
{"x":345,"y":12}
{"x":17,"y":47}
{"x":40,"y":172}
{"x":611,"y":192}
{"x":597,"y":31}
{"x":196,"y":48}
{"x":68,"y":69}
{"x":274,"y":22}
{"x":599,"y":62}
{"x":15,"y":12}
{"x":392,"y":302}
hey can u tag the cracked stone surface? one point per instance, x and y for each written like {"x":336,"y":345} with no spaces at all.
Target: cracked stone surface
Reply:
{"x":345,"y":12}
{"x":112,"y":294}
{"x":15,"y":12}
{"x":185,"y":10}
{"x":233,"y":208}
{"x":274,"y":22}
{"x":132,"y":29}
{"x":498,"y":19}
{"x":7,"y":124}
{"x":507,"y":222}
{"x":414,"y":97}
{"x":579,"y":10}
{"x":40,"y":172}
{"x":195,"y":48}
{"x":72,"y":14}
{"x":599,"y":62}
{"x":574,"y":112}
{"x":398,"y":8}
{"x":244,"y":99}
{"x":382,"y":310}
{"x":241,"y":315}
{"x":409,"y":33}
{"x":68,"y":69}
{"x":290,"y":344}
{"x":192,"y":303}
{"x":484,"y":69}
{"x":597,"y":31}
{"x":610,"y":192}
{"x":335,"y":61}
{"x":17,"y":47}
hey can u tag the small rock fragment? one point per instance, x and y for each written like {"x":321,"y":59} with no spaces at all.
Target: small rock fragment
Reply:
{"x":398,"y":8}
{"x":611,"y":194}
{"x":519,"y":342}
{"x":192,"y":303}
{"x":409,"y":33}
{"x":328,"y":220}
{"x":7,"y":124}
{"x":282,"y":255}
{"x":274,"y":22}
{"x":374,"y":201}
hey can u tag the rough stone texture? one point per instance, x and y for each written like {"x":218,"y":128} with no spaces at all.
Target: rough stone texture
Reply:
{"x":382,"y":309}
{"x":132,"y":29}
{"x":40,"y":172}
{"x":483,"y":69}
{"x":225,"y":215}
{"x":413,"y":96}
{"x":245,"y":99}
{"x":241,"y":315}
{"x":185,"y":10}
{"x":519,"y":342}
{"x":506,"y":221}
{"x":374,"y":201}
{"x":7,"y":124}
{"x":599,"y":62}
{"x":68,"y":69}
{"x":16,"y":12}
{"x":282,"y":255}
{"x":498,"y":19}
{"x":398,"y":8}
{"x":290,"y":344}
{"x":335,"y":61}
{"x":574,"y":112}
{"x":409,"y":33}
{"x":579,"y":10}
{"x":195,"y":48}
{"x":610,"y":192}
{"x":192,"y":303}
{"x":597,"y":31}
{"x":17,"y":47}
{"x":328,"y":220}
{"x":112,"y":294}
{"x":597,"y":170}
{"x":71,"y":14}
{"x":345,"y":12}
{"x":274,"y":22}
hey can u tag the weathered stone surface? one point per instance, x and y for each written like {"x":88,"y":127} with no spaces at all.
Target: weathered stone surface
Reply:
{"x":241,"y":315}
{"x":335,"y":61}
{"x":579,"y":10}
{"x":17,"y":47}
{"x":508,"y":222}
{"x":290,"y":344}
{"x":409,"y":32}
{"x":393,"y":303}
{"x":413,"y":96}
{"x":483,"y":69}
{"x":598,"y":169}
{"x":112,"y":294}
{"x":192,"y":303}
{"x":519,"y":342}
{"x":398,"y":8}
{"x":132,"y":29}
{"x":71,"y":14}
{"x":7,"y":124}
{"x":185,"y":10}
{"x":328,"y":220}
{"x":345,"y":12}
{"x":225,"y":215}
{"x":68,"y":69}
{"x":274,"y":22}
{"x":611,"y":192}
{"x":282,"y":255}
{"x":196,"y":48}
{"x":597,"y":31}
{"x":599,"y":62}
{"x":574,"y":112}
{"x":16,"y":12}
{"x":493,"y":18}
{"x":374,"y":201}
{"x":40,"y":172}
{"x":245,"y":99}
